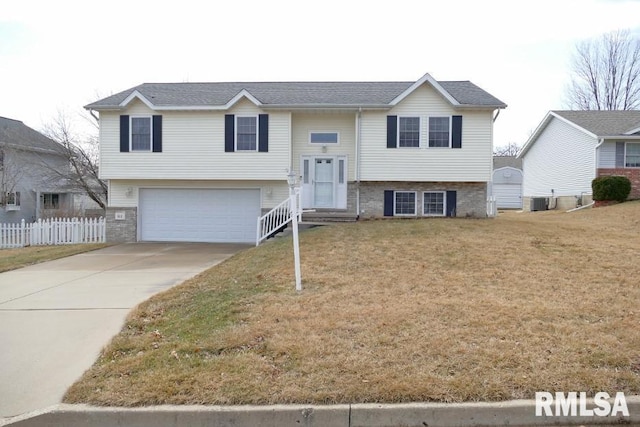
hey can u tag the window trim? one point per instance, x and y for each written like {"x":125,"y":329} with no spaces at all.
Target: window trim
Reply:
{"x":419,"y":131}
{"x":131,"y":149}
{"x":444,"y":203}
{"x":415,"y":200}
{"x":325,"y":132}
{"x":429,"y":130}
{"x":15,"y":206}
{"x":626,"y":144}
{"x":235,"y":132}
{"x":52,"y":205}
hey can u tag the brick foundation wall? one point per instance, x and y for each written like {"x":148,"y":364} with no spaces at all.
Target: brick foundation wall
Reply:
{"x":632,"y":173}
{"x":122,"y":230}
{"x":471,"y":196}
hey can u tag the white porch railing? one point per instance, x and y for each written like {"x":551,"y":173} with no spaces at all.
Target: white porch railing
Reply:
{"x":278,"y":217}
{"x":492,"y":209}
{"x":62,"y":231}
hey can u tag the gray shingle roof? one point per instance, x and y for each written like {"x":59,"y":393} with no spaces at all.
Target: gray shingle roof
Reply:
{"x":506,"y":161}
{"x":603,"y":123}
{"x":291,"y":94}
{"x":16,"y":133}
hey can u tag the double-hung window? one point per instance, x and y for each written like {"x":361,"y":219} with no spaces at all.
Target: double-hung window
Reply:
{"x":409,"y":132}
{"x":12,"y":200}
{"x":141,"y":133}
{"x":51,"y":201}
{"x":632,"y":155}
{"x":433,"y":203}
{"x":439,"y":131}
{"x":404,"y":203}
{"x":246,"y":133}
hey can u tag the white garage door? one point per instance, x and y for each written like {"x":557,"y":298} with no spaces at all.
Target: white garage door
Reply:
{"x":198,"y":215}
{"x":508,"y":196}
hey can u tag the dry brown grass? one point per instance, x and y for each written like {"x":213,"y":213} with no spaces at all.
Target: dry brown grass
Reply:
{"x":394,"y":311}
{"x":10,"y":259}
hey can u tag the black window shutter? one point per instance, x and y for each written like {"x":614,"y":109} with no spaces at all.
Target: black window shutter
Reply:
{"x":263,"y":133}
{"x":388,"y":202}
{"x":456,"y":132}
{"x":392,"y":131}
{"x":229,"y":133}
{"x":620,"y":155}
{"x":451,"y":203}
{"x":157,"y":134}
{"x":124,"y":134}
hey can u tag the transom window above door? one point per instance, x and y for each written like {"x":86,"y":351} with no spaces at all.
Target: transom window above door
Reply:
{"x":323,"y":137}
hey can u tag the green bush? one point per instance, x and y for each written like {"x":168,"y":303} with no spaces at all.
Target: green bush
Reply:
{"x":611,"y":188}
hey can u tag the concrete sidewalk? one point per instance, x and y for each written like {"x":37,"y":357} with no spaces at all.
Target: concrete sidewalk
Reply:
{"x":55,"y":317}
{"x":512,"y":413}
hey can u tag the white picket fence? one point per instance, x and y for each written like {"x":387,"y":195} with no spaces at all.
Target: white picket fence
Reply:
{"x":54,"y":231}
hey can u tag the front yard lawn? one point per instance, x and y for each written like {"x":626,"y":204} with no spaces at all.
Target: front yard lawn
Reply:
{"x":446,"y":310}
{"x":11,"y":259}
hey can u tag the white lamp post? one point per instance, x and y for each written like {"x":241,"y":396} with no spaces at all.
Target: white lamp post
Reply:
{"x":293,"y":204}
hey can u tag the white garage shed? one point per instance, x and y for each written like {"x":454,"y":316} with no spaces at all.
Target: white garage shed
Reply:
{"x":506,"y":183}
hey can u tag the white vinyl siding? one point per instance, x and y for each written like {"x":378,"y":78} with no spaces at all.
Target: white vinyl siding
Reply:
{"x":471,"y":163}
{"x":193,"y":147}
{"x":562,"y":159}
{"x":272,"y":192}
{"x":607,"y":155}
{"x":344,"y":124}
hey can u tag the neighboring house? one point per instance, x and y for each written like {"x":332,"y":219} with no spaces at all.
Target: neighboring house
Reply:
{"x":30,"y":189}
{"x":570,"y":148}
{"x":506,"y":183}
{"x":201,"y":161}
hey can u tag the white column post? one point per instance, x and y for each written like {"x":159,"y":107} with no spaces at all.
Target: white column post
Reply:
{"x":293,"y":206}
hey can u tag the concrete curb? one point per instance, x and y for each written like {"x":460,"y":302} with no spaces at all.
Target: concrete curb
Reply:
{"x":511,"y":413}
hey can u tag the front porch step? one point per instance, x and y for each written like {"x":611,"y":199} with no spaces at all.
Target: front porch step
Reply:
{"x":324,"y":217}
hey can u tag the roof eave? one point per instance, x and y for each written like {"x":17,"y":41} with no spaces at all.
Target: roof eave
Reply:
{"x":354,"y":107}
{"x":621,"y":137}
{"x":480,"y":107}
{"x":550,"y":115}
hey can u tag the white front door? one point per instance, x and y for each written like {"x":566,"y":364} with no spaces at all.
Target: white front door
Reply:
{"x":324,"y":183}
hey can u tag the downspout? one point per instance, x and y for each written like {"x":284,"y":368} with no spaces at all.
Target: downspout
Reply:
{"x":358,"y":136}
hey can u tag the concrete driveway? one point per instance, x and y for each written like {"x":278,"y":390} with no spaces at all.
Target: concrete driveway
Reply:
{"x":55,"y":317}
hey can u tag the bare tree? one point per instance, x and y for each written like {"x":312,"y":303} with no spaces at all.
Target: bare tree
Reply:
{"x":606,"y":73}
{"x":511,"y":149}
{"x":82,"y":154}
{"x":10,"y":174}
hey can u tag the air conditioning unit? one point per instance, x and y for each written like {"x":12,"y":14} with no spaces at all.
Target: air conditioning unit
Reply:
{"x":539,"y":204}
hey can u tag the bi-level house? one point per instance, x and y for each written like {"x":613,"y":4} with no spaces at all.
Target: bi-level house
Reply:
{"x":33,"y":181}
{"x":202,"y":161}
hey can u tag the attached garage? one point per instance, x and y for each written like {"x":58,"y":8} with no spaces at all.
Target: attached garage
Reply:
{"x":507,"y":188}
{"x":198,"y":215}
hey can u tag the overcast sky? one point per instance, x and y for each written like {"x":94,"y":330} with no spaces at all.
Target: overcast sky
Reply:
{"x":62,"y":55}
